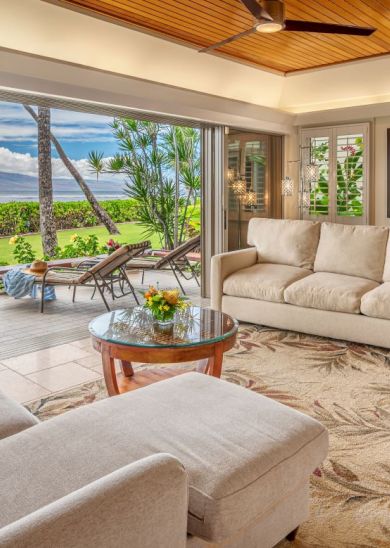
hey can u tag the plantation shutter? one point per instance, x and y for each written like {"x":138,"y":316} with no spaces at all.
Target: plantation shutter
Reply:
{"x":340,"y":192}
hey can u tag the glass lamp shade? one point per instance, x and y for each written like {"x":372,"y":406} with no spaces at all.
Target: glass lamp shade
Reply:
{"x":239,"y":187}
{"x":287,"y":186}
{"x":312,"y":172}
{"x":250,"y":198}
{"x":305,"y":199}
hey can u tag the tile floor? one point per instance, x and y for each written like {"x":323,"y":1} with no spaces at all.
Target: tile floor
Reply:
{"x":38,"y":374}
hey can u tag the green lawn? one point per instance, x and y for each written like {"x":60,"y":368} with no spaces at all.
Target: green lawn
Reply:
{"x":130,"y":233}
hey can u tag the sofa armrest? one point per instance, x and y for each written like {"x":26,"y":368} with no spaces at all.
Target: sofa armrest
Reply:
{"x":142,"y":505}
{"x":13,"y":417}
{"x":225,"y":264}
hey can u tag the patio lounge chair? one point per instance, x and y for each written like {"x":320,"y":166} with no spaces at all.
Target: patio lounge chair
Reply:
{"x":176,"y":260}
{"x":101,"y":275}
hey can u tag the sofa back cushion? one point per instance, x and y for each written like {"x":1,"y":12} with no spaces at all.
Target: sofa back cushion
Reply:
{"x":284,"y":241}
{"x":386,"y":270}
{"x":352,"y":250}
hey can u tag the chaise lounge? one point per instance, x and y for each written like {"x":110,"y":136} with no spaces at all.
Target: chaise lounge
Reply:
{"x":318,"y":278}
{"x":191,"y":461}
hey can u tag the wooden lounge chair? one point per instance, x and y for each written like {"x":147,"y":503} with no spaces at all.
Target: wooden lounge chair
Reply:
{"x":101,"y":275}
{"x":176,"y":260}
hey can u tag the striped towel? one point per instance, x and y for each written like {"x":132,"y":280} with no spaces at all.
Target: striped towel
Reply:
{"x":18,"y":284}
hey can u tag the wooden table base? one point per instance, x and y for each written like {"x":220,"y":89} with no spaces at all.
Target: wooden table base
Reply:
{"x":209,"y":358}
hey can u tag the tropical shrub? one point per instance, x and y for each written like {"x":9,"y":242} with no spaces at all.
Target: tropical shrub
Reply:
{"x":161,"y":164}
{"x":87,"y":246}
{"x":23,"y":217}
{"x":23,"y":251}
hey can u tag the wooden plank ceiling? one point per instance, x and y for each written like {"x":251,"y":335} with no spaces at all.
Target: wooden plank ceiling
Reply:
{"x":203,"y":22}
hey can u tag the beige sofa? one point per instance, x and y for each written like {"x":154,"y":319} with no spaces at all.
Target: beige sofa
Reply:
{"x":319,"y":278}
{"x":192,"y":462}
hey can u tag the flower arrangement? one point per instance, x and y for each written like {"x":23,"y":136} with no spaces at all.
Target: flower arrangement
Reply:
{"x":164,"y":303}
{"x":112,"y":246}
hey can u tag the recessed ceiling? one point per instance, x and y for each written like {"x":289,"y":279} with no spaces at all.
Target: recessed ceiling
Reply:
{"x":201,"y":23}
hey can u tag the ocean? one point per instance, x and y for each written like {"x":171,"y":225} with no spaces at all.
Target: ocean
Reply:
{"x":63,"y":196}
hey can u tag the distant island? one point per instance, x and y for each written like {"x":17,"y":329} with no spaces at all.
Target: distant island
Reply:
{"x":15,"y":187}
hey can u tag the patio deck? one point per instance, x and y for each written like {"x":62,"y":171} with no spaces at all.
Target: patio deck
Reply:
{"x":50,"y":352}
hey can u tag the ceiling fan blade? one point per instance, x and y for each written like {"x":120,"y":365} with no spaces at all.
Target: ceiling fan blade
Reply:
{"x":327,"y":28}
{"x":256,"y":10}
{"x":228,"y":40}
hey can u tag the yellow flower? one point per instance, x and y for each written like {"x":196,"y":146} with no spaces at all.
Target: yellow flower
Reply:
{"x":13,"y":240}
{"x":73,"y":237}
{"x":172,"y":296}
{"x":166,"y":307}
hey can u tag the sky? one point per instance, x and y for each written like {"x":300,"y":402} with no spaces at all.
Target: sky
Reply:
{"x":78,"y":132}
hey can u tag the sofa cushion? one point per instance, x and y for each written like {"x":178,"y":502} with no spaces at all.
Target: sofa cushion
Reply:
{"x":376,"y":303}
{"x":326,"y":291}
{"x":284,"y":241}
{"x":386,"y":269}
{"x":352,"y":250}
{"x":13,"y":417}
{"x":243,"y":452}
{"x":265,"y":282}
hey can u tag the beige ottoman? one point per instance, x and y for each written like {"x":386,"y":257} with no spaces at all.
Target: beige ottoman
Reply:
{"x":247,"y":457}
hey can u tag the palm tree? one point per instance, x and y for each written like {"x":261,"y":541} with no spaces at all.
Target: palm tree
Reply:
{"x":47,"y":221}
{"x":162,"y":167}
{"x":100,"y":212}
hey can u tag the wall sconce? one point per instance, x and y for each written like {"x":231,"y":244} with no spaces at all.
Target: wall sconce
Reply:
{"x":312,"y":172}
{"x":287,"y":186}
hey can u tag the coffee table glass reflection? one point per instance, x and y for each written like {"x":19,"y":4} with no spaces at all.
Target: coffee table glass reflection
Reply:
{"x":132,"y":335}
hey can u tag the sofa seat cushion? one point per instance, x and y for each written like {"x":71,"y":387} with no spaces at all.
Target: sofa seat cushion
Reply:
{"x":14,"y":417}
{"x":376,"y":303}
{"x":243,"y":452}
{"x":265,"y":282}
{"x":284,"y":241}
{"x":326,"y":291}
{"x":352,"y":250}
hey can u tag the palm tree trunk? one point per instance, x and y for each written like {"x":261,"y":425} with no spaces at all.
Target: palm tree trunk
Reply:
{"x":46,"y":214}
{"x":100,"y":213}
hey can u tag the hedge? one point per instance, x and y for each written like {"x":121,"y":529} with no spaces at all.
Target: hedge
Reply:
{"x":23,"y":217}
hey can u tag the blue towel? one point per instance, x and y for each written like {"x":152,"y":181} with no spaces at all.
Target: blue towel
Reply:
{"x":18,"y":284}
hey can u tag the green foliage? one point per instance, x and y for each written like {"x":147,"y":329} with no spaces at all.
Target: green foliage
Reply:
{"x":162,"y":168}
{"x":23,"y":217}
{"x":23,"y":251}
{"x":349,"y":176}
{"x":87,"y":246}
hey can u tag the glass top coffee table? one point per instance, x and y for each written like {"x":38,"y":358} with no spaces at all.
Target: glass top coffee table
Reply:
{"x":132,"y":335}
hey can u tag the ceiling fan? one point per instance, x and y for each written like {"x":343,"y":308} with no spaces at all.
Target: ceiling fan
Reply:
{"x":269,"y":18}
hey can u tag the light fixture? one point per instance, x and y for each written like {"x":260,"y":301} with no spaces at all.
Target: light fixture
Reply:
{"x":269,"y":26}
{"x":306,"y":199}
{"x":239,"y":187}
{"x":287,"y":186}
{"x":250,"y":198}
{"x":231,"y":174}
{"x":312,"y":172}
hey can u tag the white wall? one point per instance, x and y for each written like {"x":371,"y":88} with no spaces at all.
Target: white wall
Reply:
{"x":365,"y":82}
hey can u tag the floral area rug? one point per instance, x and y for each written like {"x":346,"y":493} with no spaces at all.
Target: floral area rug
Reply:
{"x":345,"y":386}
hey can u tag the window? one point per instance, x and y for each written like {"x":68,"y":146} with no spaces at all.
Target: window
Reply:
{"x":336,"y":187}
